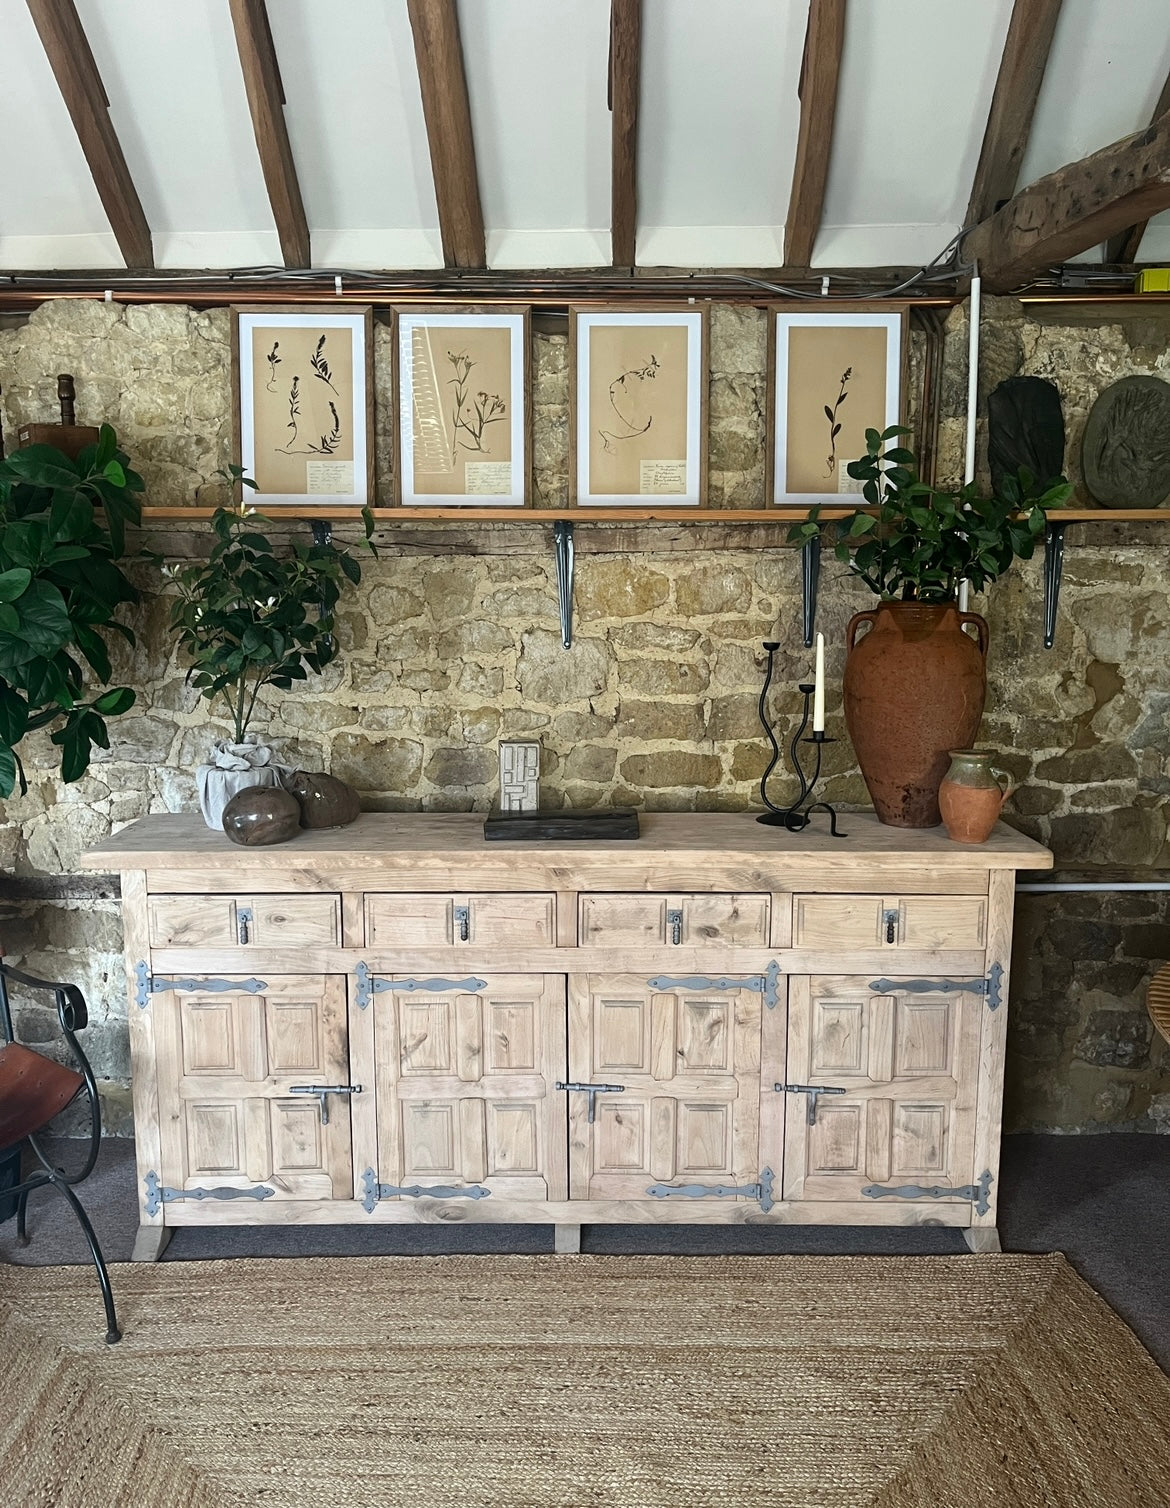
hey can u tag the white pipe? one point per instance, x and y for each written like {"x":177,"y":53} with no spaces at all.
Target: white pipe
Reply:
{"x":1054,"y":886}
{"x":972,"y":397}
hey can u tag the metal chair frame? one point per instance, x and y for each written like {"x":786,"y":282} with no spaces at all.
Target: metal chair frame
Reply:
{"x":73,"y":1016}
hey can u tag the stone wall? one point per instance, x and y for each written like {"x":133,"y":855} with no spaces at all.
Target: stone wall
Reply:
{"x":452,"y":642}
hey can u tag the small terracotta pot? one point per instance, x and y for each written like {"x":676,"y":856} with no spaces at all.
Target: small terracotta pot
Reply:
{"x":972,"y":794}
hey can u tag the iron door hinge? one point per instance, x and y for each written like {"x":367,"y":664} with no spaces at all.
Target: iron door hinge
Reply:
{"x":592,"y":1090}
{"x":148,"y":984}
{"x":157,"y":1194}
{"x":767,"y":983}
{"x":322,"y":1091}
{"x":761,"y":1191}
{"x":977,"y":1192}
{"x":990,"y":986}
{"x":369,"y":985}
{"x":372,"y":1191}
{"x":814,"y":1092}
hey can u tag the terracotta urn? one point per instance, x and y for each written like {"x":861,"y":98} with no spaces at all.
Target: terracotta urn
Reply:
{"x":972,"y":794}
{"x":914,"y":690}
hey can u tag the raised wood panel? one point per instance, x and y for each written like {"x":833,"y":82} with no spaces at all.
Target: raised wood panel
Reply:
{"x":226,"y":1063}
{"x":494,"y":920}
{"x":628,"y":919}
{"x":466,"y":1087}
{"x":685,"y":1065}
{"x":907,"y":1063}
{"x":898,"y":922}
{"x":224,"y":921}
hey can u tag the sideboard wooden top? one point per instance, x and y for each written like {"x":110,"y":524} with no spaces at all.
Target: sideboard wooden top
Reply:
{"x":378,"y":839}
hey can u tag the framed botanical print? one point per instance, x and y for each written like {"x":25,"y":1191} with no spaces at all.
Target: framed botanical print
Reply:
{"x":461,"y":400}
{"x":303,"y":381}
{"x":638,"y":405}
{"x":834,"y":371}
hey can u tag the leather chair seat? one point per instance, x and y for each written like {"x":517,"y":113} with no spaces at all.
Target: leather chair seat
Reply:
{"x":33,"y":1089}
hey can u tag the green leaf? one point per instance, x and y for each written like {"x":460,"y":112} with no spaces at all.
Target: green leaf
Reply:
{"x":113,"y":472}
{"x":13,"y":716}
{"x":13,"y":583}
{"x":107,"y":446}
{"x":862,"y":524}
{"x":41,"y":466}
{"x":44,"y":619}
{"x":7,"y":771}
{"x":114,"y":703}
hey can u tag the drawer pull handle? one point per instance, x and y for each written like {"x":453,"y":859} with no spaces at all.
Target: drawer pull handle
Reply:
{"x":321,"y":1091}
{"x":463,"y":922}
{"x":674,"y":922}
{"x":891,"y":920}
{"x":243,"y":923}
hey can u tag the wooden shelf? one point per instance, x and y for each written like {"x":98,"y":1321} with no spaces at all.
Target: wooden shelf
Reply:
{"x":637,"y":515}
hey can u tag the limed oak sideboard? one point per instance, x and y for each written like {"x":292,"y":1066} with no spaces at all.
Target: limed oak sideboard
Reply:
{"x":718,"y":1022}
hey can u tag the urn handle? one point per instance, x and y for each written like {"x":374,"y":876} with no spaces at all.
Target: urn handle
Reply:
{"x":855,"y":623}
{"x":980,"y":628}
{"x":1006,"y":781}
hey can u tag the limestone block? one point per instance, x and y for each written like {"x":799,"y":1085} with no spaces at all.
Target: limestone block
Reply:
{"x":548,"y":675}
{"x":386,"y":764}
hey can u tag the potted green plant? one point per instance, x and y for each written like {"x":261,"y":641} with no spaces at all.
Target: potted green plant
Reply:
{"x":62,"y":532}
{"x":249,"y":617}
{"x":915,"y":685}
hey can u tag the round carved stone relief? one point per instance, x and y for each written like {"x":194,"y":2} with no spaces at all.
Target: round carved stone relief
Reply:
{"x":1126,"y":449}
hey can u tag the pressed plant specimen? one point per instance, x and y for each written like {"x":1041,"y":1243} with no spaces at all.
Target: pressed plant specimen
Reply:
{"x":273,"y":361}
{"x":320,"y":365}
{"x":835,"y":423}
{"x":471,"y":420}
{"x":332,"y":440}
{"x":622,"y":391}
{"x":294,"y":412}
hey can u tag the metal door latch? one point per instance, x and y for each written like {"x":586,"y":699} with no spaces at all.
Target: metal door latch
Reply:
{"x":321,"y":1091}
{"x":593,"y":1090}
{"x":890,"y":918}
{"x":674,"y":921}
{"x":463,"y":923}
{"x":814,"y":1092}
{"x":243,"y":923}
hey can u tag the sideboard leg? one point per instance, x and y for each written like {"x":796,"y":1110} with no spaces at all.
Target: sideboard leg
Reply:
{"x":567,"y":1240}
{"x":150,"y":1243}
{"x":982,"y":1238}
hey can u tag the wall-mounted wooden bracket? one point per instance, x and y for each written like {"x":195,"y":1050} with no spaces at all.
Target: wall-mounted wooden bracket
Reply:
{"x":563,"y":546}
{"x":1053,"y":567}
{"x":810,"y":580}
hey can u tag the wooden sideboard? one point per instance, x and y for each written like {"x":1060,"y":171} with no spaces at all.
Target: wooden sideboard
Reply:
{"x":719,"y":1022}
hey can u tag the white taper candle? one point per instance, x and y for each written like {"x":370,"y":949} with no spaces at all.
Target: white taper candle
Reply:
{"x":819,"y":688}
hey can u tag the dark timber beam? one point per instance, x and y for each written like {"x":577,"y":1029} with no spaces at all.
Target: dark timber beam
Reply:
{"x":1124,"y":247}
{"x":1009,"y":121}
{"x":71,"y":60}
{"x":439,"y":57}
{"x":266,"y":104}
{"x":1065,"y":213}
{"x":625,"y":57}
{"x":820,"y":69}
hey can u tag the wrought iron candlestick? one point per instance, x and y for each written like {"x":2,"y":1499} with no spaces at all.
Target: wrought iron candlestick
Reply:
{"x":797,"y":816}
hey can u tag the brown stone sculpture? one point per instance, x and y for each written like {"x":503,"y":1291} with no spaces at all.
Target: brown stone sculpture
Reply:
{"x":324,"y":800}
{"x":1126,"y":449}
{"x":262,"y":814}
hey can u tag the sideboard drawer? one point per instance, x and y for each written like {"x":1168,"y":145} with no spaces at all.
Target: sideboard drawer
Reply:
{"x":901,"y":921}
{"x":620,"y":920}
{"x":488,"y":920}
{"x":228,"y":921}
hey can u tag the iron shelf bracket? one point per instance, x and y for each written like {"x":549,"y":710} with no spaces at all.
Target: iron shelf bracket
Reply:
{"x":810,"y":580}
{"x":565,"y":556}
{"x":1053,"y":569}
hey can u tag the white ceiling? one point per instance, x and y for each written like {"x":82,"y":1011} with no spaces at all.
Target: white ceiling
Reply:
{"x":718,"y":123}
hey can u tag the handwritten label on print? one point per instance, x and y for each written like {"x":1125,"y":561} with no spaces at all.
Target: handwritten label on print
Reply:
{"x":328,"y":478}
{"x":487,"y":478}
{"x":662,"y":478}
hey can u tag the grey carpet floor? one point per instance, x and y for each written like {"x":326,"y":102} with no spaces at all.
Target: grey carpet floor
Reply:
{"x":1102,"y":1200}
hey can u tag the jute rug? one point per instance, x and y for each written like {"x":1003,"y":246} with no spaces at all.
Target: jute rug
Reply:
{"x":815,"y":1382}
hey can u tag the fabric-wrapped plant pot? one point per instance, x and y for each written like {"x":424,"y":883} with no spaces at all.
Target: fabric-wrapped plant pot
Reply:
{"x":232,"y":768}
{"x":914,"y":689}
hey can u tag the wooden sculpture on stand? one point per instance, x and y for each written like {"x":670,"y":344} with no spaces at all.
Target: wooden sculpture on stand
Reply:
{"x":67,"y":436}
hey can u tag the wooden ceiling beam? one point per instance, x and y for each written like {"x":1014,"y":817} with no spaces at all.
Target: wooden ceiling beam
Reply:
{"x":1066,"y":212}
{"x":439,"y":57}
{"x":265,"y":92}
{"x":625,"y":62}
{"x":68,"y":51}
{"x":1013,"y":104}
{"x":1124,"y":247}
{"x":820,"y":70}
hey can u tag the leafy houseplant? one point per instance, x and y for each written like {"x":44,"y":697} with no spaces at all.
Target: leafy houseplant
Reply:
{"x":915,"y":685}
{"x":249,"y":617}
{"x":61,"y":591}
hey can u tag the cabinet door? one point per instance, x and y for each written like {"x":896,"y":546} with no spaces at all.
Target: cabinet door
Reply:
{"x":685,"y":1062}
{"x":227,"y":1060}
{"x":907,"y":1063}
{"x":466,"y":1075}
